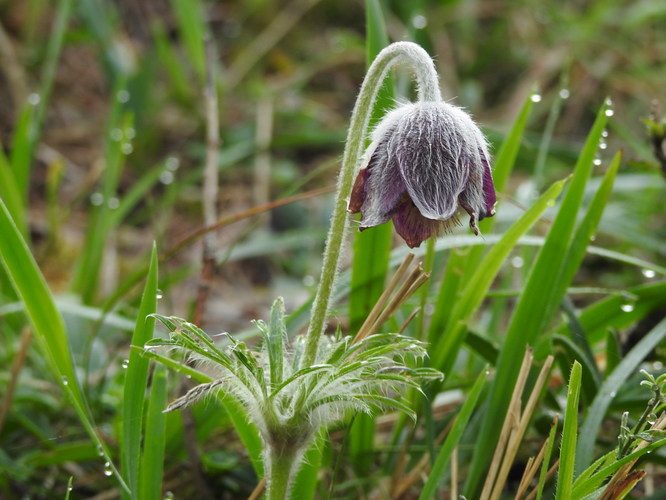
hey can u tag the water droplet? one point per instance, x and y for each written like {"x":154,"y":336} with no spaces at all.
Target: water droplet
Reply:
{"x":419,"y":22}
{"x":172,"y":163}
{"x":107,"y":469}
{"x":613,"y":394}
{"x":657,"y":366}
{"x":123,"y":96}
{"x":116,"y":134}
{"x":535,"y":97}
{"x":96,"y":199}
{"x":593,"y":237}
{"x":159,"y":294}
{"x":603,"y":145}
{"x":113,"y":203}
{"x":64,"y":380}
{"x":166,"y":177}
{"x":597,"y":161}
{"x":130,"y":133}
{"x":627,"y":307}
{"x":564,"y":93}
{"x":34,"y":99}
{"x":308,"y":280}
{"x":609,"y":112}
{"x":127,"y":148}
{"x":70,"y":488}
{"x":429,"y":309}
{"x":100,"y":450}
{"x":517,"y":262}
{"x":651,"y":418}
{"x":604,"y":133}
{"x":648,"y":273}
{"x":169,"y":496}
{"x":125,"y":363}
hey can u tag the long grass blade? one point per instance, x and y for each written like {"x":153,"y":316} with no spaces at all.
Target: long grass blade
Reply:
{"x":569,"y":434}
{"x":136,"y":380}
{"x":151,"y":471}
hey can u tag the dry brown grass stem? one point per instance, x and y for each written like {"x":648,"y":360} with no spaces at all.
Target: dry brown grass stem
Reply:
{"x":393,"y":297}
{"x":532,"y":467}
{"x":549,"y":474}
{"x":17,"y":366}
{"x":259,"y":490}
{"x":454,"y":474}
{"x":513,"y":429}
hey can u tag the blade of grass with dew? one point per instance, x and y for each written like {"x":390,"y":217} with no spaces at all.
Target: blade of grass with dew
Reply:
{"x":568,"y":446}
{"x":529,"y":318}
{"x":371,"y":248}
{"x":445,"y":351}
{"x":28,"y":131}
{"x":459,"y":263}
{"x":192,"y":28}
{"x":136,"y":380}
{"x":86,"y":277}
{"x":46,"y":321}
{"x":444,"y":455}
{"x":151,"y":471}
{"x":608,"y":390}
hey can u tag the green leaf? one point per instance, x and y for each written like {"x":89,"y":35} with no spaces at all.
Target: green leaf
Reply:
{"x":568,"y":447}
{"x":136,"y":380}
{"x":151,"y":471}
{"x":275,"y":339}
{"x":444,"y":455}
{"x":46,"y":321}
{"x":608,"y":390}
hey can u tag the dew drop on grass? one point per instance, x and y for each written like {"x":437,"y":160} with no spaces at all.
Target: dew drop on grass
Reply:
{"x":627,"y":307}
{"x":308,"y":280}
{"x":130,"y":133}
{"x":34,"y":99}
{"x":116,"y":134}
{"x":159,"y":294}
{"x":604,"y":133}
{"x":603,"y":145}
{"x":564,"y":93}
{"x":126,"y":148}
{"x":648,"y":273}
{"x":597,"y":161}
{"x":64,"y":380}
{"x":651,"y":418}
{"x":123,"y":96}
{"x":125,"y":363}
{"x":172,"y":163}
{"x":107,"y":469}
{"x":166,"y":177}
{"x":419,"y":22}
{"x":535,"y":97}
{"x":613,"y":394}
{"x":609,"y":111}
{"x":517,"y":262}
{"x":113,"y":203}
{"x":169,"y":496}
{"x":100,"y":450}
{"x":96,"y":199}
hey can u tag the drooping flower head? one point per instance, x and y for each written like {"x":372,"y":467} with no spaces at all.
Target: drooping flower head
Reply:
{"x":427,"y":160}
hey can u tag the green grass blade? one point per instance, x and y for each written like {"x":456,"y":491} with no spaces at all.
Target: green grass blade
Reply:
{"x":530,"y":316}
{"x":444,"y":352}
{"x":46,"y":321}
{"x":11,"y":194}
{"x":372,"y":248}
{"x":189,"y":16}
{"x":608,"y":390}
{"x":568,"y":447}
{"x":444,"y":455}
{"x":136,"y":379}
{"x":152,"y":458}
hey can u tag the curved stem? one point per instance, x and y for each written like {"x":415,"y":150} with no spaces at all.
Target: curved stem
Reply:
{"x":427,"y":87}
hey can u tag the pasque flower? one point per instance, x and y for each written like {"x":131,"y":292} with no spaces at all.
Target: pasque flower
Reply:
{"x":427,"y":160}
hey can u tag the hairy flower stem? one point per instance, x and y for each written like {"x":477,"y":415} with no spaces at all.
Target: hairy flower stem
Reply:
{"x":282,"y":467}
{"x":427,"y":87}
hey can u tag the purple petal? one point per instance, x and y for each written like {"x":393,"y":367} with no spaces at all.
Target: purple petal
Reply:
{"x":489,"y":196}
{"x":412,"y":226}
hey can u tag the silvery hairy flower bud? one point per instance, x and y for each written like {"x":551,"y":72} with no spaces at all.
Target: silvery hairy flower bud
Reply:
{"x":426,"y":161}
